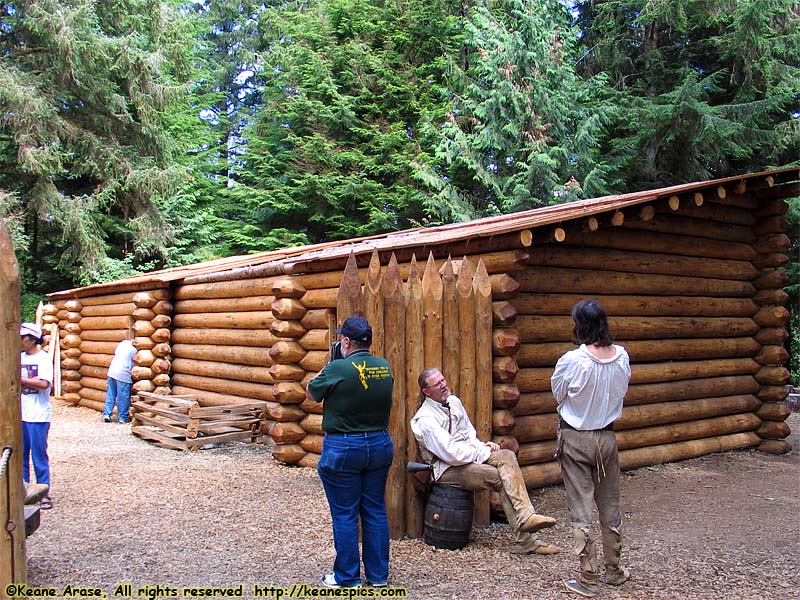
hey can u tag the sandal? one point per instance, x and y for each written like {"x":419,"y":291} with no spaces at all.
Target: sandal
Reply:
{"x":46,"y":503}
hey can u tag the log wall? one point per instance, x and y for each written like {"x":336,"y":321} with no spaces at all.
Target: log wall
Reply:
{"x":692,"y":288}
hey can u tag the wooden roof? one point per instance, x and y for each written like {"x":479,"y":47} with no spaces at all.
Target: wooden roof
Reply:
{"x":298,"y":259}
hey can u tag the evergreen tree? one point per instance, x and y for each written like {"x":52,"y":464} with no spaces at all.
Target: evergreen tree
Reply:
{"x":705,"y":89}
{"x":345,"y":83}
{"x":86,"y":152}
{"x":521,"y":129}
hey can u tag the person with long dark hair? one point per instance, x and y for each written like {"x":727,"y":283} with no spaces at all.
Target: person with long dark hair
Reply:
{"x":589,"y":384}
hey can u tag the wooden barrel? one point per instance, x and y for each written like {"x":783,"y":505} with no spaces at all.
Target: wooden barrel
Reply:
{"x":448,"y":517}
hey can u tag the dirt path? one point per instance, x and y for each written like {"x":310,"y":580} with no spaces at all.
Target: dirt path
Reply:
{"x":725,"y":526}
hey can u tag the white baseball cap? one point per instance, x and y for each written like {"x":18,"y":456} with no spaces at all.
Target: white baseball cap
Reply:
{"x":31,"y":329}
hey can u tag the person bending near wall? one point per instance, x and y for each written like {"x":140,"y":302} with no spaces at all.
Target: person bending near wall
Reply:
{"x":589,"y":384}
{"x":119,"y":381}
{"x":356,"y":454}
{"x":448,"y":441}
{"x":36,"y":376}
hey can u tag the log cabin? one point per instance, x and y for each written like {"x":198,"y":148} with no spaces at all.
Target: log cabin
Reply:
{"x":690,"y":275}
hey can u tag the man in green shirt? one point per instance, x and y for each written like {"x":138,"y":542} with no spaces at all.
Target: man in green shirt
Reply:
{"x":356,"y":455}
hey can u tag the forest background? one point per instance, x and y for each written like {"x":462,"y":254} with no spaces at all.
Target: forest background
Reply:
{"x":142,"y":134}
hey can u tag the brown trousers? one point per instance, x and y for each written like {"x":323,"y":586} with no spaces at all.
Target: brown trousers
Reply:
{"x":501,"y":473}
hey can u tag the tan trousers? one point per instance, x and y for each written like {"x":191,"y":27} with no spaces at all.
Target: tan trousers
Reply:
{"x":590,"y":467}
{"x":501,"y":473}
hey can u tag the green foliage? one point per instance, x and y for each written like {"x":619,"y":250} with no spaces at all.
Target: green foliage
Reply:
{"x":84,"y":90}
{"x":521,"y":129}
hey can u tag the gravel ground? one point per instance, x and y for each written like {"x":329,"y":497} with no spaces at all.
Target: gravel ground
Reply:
{"x":725,"y":526}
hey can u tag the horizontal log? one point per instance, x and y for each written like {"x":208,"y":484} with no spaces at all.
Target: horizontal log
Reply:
{"x":690,"y":430}
{"x":317,"y":319}
{"x":251,"y":391}
{"x":71,"y":364}
{"x":160,"y":365}
{"x":286,"y":352}
{"x":648,"y":415}
{"x":772,"y":260}
{"x":535,"y":329}
{"x":312,"y":442}
{"x":769,"y":279}
{"x":70,"y":387}
{"x":640,"y":262}
{"x":585,"y":281}
{"x":288,"y":392}
{"x":665,"y":243}
{"x":225,"y":305}
{"x":97,"y":405}
{"x":774,"y":242}
{"x":673,"y":371}
{"x":310,"y":460}
{"x":313,"y":424}
{"x":773,"y":430}
{"x":505,"y":342}
{"x":87,"y":393}
{"x":143,"y":386}
{"x":139,"y":373}
{"x":94,"y":383}
{"x":284,"y":412}
{"x":208,"y":398}
{"x":98,"y":347}
{"x":104,"y":335}
{"x":773,"y":411}
{"x":505,"y":395}
{"x":689,"y":389}
{"x":112,"y":322}
{"x":772,"y":336}
{"x":287,"y":329}
{"x":771,"y":296}
{"x":144,"y":343}
{"x":222,"y":370}
{"x":772,"y":356}
{"x":666,"y":224}
{"x":320,"y":299}
{"x":71,"y":341}
{"x":772,"y":376}
{"x":144,"y":358}
{"x":259,"y":338}
{"x":772,"y":316}
{"x":639,"y":305}
{"x":504,"y":369}
{"x":314,"y":360}
{"x":503,"y":313}
{"x":243,"y":355}
{"x":773,"y":224}
{"x":161,"y":350}
{"x":503,"y":422}
{"x":97,"y":360}
{"x":224,"y":320}
{"x":72,"y":398}
{"x":287,"y":432}
{"x":316,"y":339}
{"x":73,"y":375}
{"x":287,"y":372}
{"x":108,"y":310}
{"x":225,"y":289}
{"x":775,"y":446}
{"x":310,"y":407}
{"x":773,"y":393}
{"x":122,"y":297}
{"x":288,"y":453}
{"x":722,"y":213}
{"x":288,"y":309}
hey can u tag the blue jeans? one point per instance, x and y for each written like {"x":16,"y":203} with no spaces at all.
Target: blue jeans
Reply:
{"x":353,"y":468}
{"x":34,"y":446}
{"x":121,"y":392}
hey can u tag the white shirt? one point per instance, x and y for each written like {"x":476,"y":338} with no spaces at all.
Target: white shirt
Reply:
{"x":36,"y":403}
{"x":590,"y":390}
{"x":446,"y":437}
{"x":121,"y":364}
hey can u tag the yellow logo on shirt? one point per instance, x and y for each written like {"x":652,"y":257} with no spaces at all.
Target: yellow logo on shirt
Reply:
{"x":365,"y":373}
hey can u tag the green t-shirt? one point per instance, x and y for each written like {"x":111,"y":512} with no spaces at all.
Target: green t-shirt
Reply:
{"x":357,"y":391}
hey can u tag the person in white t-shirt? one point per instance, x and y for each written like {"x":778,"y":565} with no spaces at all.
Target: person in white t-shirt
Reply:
{"x":119,"y":382}
{"x":36,"y":377}
{"x":589,"y":384}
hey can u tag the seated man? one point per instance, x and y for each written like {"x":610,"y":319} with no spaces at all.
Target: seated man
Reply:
{"x":448,"y":441}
